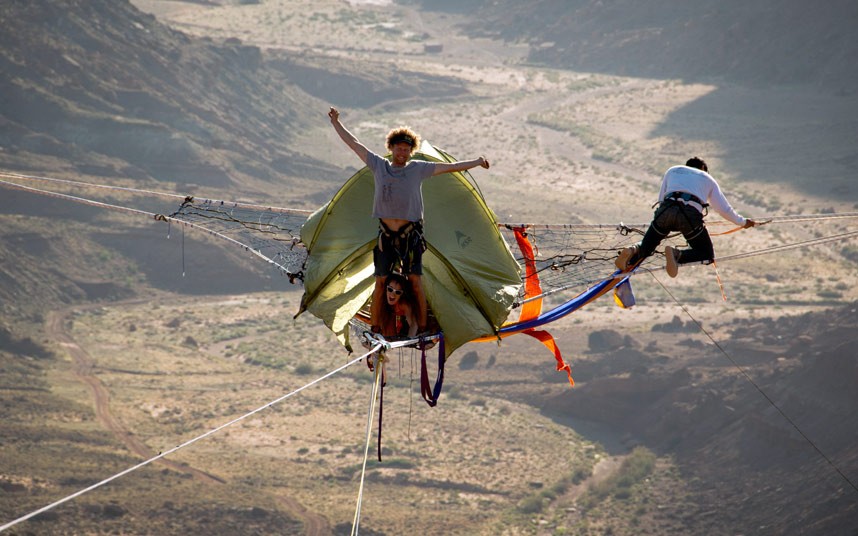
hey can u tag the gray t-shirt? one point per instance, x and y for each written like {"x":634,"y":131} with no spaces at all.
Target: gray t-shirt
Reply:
{"x":398,"y":192}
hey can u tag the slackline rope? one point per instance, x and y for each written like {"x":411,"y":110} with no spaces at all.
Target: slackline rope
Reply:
{"x":77,"y":199}
{"x":379,"y":363}
{"x":157,"y":217}
{"x":549,"y":226}
{"x":737,"y":256}
{"x":160,"y":455}
{"x":797,"y":245}
{"x":757,"y":387}
{"x":762,"y":221}
{"x":8,"y":175}
{"x":768,"y":221}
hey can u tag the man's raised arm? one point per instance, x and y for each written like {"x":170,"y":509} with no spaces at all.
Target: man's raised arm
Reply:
{"x":449,"y":167}
{"x":347,"y":136}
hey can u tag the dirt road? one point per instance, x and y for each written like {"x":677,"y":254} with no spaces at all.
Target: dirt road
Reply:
{"x":83,"y":370}
{"x":314,"y":525}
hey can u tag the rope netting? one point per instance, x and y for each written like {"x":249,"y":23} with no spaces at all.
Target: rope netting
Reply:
{"x":272,"y":233}
{"x":571,"y":258}
{"x":568,"y":257}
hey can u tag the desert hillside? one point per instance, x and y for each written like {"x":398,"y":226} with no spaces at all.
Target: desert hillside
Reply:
{"x":765,"y":43}
{"x":101,"y":89}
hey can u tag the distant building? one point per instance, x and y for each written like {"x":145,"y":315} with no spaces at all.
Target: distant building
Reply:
{"x":433,"y":48}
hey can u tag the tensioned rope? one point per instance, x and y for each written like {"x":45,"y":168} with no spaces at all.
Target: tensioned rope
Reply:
{"x":789,"y":218}
{"x":377,"y":369}
{"x":76,"y":199}
{"x":729,"y":258}
{"x":786,"y":247}
{"x":70,"y":182}
{"x":765,"y":251}
{"x":569,"y":255}
{"x":152,"y":215}
{"x":160,"y":455}
{"x":755,"y":385}
{"x":530,"y":226}
{"x":546,"y":226}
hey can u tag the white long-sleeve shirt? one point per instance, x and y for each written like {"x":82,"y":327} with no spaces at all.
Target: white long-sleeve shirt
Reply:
{"x":700,"y":184}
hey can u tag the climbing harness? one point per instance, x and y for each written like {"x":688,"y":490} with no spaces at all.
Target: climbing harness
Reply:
{"x":405,"y":241}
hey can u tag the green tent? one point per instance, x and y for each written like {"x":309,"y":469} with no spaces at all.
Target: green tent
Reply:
{"x":470,"y":276}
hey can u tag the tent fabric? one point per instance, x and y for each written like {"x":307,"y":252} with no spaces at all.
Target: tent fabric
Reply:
{"x":470,"y":276}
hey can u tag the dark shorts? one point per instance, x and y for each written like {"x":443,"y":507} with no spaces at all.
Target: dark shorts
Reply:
{"x":402,"y":251}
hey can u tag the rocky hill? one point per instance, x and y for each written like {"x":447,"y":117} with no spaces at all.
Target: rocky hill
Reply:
{"x":111,"y":91}
{"x":100,"y":89}
{"x":765,"y":426}
{"x":765,"y":42}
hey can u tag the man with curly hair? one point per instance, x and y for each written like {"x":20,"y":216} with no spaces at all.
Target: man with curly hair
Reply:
{"x":398,"y":205}
{"x":685,"y":195}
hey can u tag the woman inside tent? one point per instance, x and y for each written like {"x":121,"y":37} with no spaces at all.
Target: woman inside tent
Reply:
{"x":398,"y":318}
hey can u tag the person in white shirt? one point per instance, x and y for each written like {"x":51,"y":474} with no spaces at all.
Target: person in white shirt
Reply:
{"x":686,"y":193}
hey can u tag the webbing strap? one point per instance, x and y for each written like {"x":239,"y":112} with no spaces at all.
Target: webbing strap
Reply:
{"x":380,"y":408}
{"x":739,"y":228}
{"x":686,"y":196}
{"x":531,"y":308}
{"x":548,"y":340}
{"x":733,"y":230}
{"x":431,"y":394}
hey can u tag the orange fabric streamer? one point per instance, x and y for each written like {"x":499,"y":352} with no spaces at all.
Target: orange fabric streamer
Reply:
{"x":548,"y":340}
{"x":530,"y":309}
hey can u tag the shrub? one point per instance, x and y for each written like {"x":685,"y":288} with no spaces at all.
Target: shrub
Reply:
{"x":637,"y":466}
{"x":304,"y":369}
{"x":531,"y":504}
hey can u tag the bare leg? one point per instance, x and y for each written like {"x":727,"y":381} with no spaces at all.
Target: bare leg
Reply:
{"x":377,"y":301}
{"x":417,"y":289}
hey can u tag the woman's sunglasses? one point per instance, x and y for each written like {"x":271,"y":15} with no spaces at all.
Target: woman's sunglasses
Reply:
{"x":396,"y":291}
